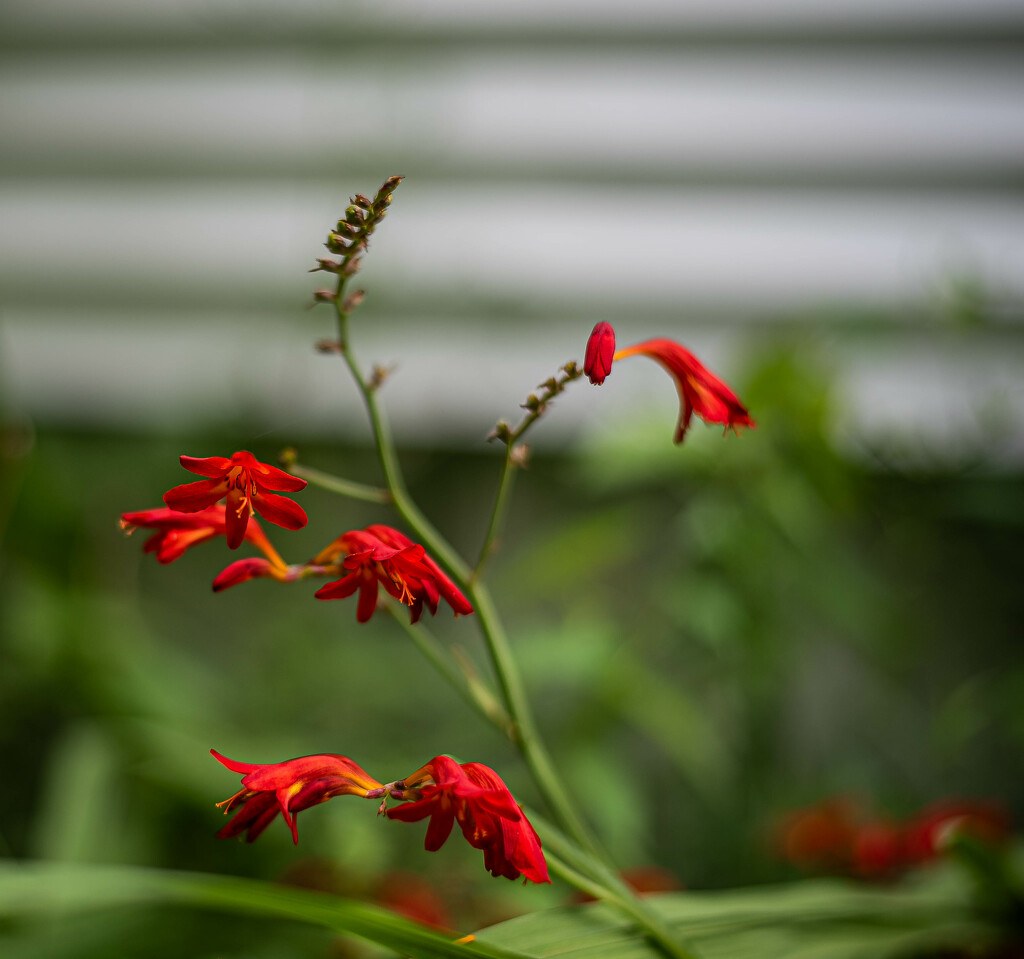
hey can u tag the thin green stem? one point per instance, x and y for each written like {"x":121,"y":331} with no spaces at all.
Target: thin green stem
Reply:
{"x":344,"y":487}
{"x":498,"y":513}
{"x":657,"y":931}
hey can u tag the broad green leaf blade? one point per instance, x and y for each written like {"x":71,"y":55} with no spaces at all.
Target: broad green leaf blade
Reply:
{"x":807,"y":920}
{"x":40,"y":889}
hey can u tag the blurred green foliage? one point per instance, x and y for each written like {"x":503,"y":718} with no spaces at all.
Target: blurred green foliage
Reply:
{"x":712,"y":635}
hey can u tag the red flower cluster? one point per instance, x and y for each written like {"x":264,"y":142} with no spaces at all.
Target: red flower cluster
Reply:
{"x":836,"y":837}
{"x":382,"y":556}
{"x":474,"y":796}
{"x":247,"y":485}
{"x":288,"y":788}
{"x":471,"y":794}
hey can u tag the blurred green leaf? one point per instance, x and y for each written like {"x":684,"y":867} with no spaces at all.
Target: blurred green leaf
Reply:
{"x":43,"y":890}
{"x":810,"y":920}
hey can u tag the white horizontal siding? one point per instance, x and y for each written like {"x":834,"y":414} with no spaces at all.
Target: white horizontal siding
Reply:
{"x":868,"y":110}
{"x":115,"y":16}
{"x":168,"y":171}
{"x":549,"y":246}
{"x":451,"y":383}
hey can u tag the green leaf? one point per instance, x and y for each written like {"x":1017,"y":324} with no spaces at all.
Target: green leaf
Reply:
{"x":42,"y":889}
{"x":807,"y":920}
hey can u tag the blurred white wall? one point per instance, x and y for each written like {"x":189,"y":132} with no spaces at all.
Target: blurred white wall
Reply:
{"x":697,"y":169}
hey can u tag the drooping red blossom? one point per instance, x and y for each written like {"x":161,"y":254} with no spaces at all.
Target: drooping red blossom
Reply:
{"x":700,"y":391}
{"x":518,"y":851}
{"x":175,"y":532}
{"x":474,"y":796}
{"x":288,"y":788}
{"x":597,"y":362}
{"x":247,"y":483}
{"x":382,"y":556}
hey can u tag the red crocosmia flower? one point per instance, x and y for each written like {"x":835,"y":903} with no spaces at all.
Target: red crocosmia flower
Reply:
{"x":700,"y":391}
{"x":474,"y":796}
{"x":382,"y":556}
{"x":176,"y":532}
{"x":517,"y":852}
{"x":288,"y":788}
{"x":597,"y":363}
{"x":246,"y":482}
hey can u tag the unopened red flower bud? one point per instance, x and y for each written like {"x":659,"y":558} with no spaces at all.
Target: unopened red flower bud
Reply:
{"x":597,"y":363}
{"x":324,"y":296}
{"x":354,"y":215}
{"x":360,"y":200}
{"x":347,"y":229}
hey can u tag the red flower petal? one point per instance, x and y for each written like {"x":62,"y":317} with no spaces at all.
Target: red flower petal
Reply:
{"x":280,"y":510}
{"x":192,"y":497}
{"x":341,"y":589}
{"x":241,"y":571}
{"x":367,"y":599}
{"x":237,"y":510}
{"x":270,"y":477}
{"x":206,"y":466}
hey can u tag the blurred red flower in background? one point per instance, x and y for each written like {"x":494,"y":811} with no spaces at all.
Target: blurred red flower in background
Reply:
{"x":838,"y":837}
